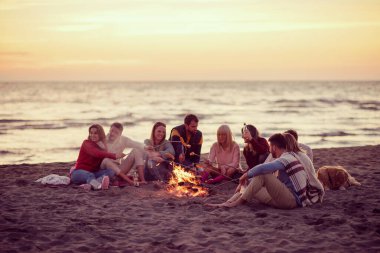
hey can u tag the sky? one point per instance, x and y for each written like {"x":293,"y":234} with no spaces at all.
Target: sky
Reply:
{"x":121,"y":40}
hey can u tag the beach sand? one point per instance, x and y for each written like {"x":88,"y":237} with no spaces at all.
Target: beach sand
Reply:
{"x":38,"y":218}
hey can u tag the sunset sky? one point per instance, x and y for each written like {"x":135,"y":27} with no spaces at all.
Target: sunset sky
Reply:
{"x":189,"y":40}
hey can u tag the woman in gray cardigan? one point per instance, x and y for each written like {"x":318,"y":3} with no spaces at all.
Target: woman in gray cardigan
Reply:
{"x":160,"y":153}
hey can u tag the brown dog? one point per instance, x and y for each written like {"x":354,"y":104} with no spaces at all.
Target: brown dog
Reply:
{"x":335,"y":178}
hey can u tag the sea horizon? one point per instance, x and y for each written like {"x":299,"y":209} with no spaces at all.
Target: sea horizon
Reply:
{"x":188,"y":80}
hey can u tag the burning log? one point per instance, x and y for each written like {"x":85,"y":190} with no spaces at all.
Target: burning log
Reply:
{"x":185,"y":184}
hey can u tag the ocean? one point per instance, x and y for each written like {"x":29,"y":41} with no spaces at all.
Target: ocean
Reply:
{"x":47,"y":121}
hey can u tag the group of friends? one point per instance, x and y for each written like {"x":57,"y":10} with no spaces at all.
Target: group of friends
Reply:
{"x":280,"y":172}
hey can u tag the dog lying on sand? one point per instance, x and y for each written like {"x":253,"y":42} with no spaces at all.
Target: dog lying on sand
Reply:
{"x":335,"y":178}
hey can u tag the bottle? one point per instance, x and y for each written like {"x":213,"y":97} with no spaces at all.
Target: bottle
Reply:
{"x":245,"y":131}
{"x":135,"y":179}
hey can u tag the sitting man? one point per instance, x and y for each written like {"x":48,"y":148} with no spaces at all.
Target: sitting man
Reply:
{"x":187,"y":141}
{"x":294,"y":186}
{"x":116,"y":142}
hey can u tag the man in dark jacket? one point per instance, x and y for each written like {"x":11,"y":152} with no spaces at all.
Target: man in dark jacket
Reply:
{"x":187,"y":141}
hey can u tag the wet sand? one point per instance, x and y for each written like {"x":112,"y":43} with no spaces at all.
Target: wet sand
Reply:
{"x":37,"y":218}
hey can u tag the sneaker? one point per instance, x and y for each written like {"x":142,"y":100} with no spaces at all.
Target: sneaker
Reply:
{"x":86,"y":187}
{"x":105,"y":183}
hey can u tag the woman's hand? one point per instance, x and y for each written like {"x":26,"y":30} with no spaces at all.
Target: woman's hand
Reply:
{"x":158,"y":159}
{"x":223,"y":171}
{"x":148,"y":148}
{"x":247,"y":135}
{"x":119,"y":155}
{"x":181,"y":157}
{"x":153,"y":154}
{"x":169,"y":156}
{"x":238,"y":188}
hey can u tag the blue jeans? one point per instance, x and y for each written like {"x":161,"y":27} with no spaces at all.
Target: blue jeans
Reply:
{"x":79,"y":176}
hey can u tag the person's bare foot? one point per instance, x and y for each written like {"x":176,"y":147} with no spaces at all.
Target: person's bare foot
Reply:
{"x":228,"y":204}
{"x":233,"y":203}
{"x":143,"y":182}
{"x":125,"y":178}
{"x":214,"y":205}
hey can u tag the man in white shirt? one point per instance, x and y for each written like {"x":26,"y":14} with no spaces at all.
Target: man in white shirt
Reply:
{"x":116,"y":142}
{"x":303,"y":147}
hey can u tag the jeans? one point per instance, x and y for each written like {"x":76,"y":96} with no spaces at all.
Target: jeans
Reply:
{"x":79,"y":176}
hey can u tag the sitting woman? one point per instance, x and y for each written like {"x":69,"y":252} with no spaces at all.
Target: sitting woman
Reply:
{"x":159,"y":153}
{"x":224,"y":157}
{"x":256,"y":148}
{"x":292,"y":145}
{"x":295,"y":186}
{"x":87,"y":170}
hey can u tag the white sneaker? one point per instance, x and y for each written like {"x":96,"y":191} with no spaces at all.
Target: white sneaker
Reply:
{"x":86,"y":187}
{"x":105,"y":183}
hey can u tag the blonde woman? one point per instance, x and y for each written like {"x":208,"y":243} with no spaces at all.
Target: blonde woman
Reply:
{"x":295,"y":186}
{"x":224,"y":157}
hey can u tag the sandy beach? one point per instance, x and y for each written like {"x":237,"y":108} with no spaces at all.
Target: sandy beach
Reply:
{"x":38,"y":218}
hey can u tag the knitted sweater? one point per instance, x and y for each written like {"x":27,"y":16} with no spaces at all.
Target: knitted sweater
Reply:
{"x":260,"y":149}
{"x":306,"y":192}
{"x":90,"y":156}
{"x":225,"y":158}
{"x":311,"y":175}
{"x":164,"y":148}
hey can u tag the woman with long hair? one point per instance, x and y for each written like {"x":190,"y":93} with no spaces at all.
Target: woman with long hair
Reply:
{"x":159,"y":154}
{"x":292,"y":146}
{"x":295,"y":186}
{"x":87,"y":170}
{"x":224,"y":157}
{"x":256,"y":147}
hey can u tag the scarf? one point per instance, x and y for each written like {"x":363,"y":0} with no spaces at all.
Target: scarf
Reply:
{"x":306,"y":193}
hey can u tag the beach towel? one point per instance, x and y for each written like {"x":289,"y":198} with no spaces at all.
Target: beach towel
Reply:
{"x":54,"y":179}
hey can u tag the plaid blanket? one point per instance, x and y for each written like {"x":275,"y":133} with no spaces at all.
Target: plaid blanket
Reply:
{"x":307,"y":194}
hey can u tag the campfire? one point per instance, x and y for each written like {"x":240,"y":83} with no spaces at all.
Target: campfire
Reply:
{"x":185,"y":184}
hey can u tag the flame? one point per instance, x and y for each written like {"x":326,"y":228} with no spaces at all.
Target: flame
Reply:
{"x":185,"y":184}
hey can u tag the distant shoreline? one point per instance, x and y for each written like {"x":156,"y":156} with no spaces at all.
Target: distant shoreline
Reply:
{"x":191,"y":81}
